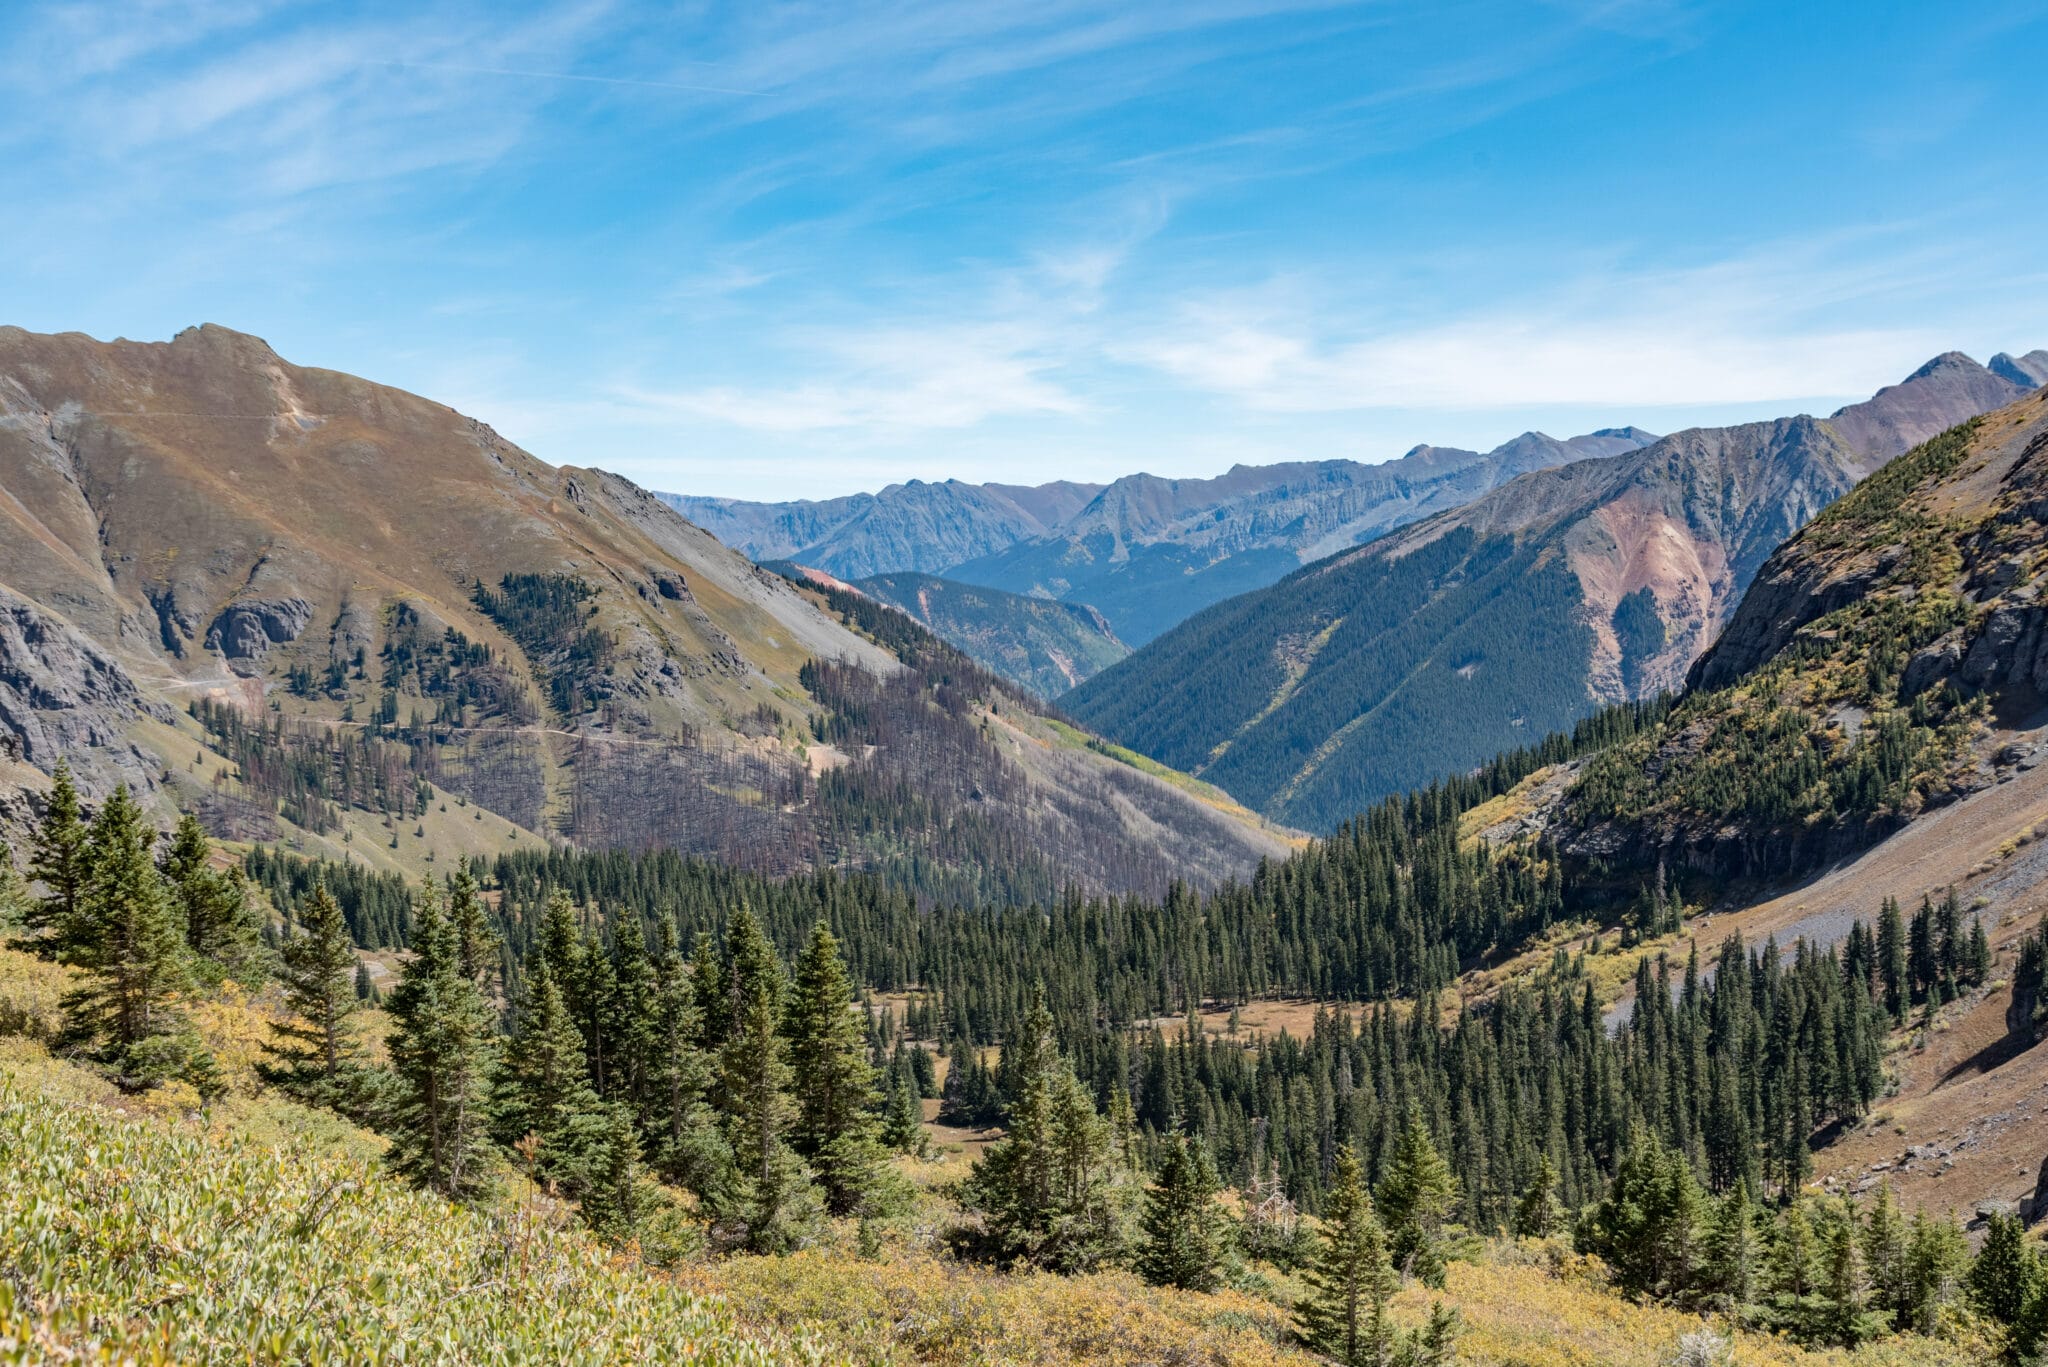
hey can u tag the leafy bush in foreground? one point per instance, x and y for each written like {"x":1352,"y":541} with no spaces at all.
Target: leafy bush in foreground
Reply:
{"x":127,"y":1240}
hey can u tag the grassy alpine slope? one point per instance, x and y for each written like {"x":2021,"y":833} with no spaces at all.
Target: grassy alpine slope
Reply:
{"x":260,"y":1232}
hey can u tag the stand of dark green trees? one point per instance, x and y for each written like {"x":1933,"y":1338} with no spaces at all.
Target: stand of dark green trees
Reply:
{"x":604,"y":1020}
{"x":147,"y":930}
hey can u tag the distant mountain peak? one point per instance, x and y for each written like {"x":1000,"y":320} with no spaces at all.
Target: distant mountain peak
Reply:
{"x":2030,"y":370}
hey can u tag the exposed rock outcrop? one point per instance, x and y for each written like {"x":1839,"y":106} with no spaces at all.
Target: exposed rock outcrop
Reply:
{"x":59,"y":692}
{"x":2004,"y":643}
{"x":247,"y":629}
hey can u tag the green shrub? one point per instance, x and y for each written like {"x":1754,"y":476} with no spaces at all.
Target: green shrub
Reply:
{"x":125,"y":1239}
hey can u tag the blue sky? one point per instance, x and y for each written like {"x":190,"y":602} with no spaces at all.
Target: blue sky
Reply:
{"x":789,"y":250}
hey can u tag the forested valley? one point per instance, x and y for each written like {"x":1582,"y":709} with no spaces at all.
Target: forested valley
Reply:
{"x":711,"y":1063}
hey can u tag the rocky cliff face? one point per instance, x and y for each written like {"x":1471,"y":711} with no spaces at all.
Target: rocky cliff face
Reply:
{"x":1863,"y":680}
{"x":1690,"y":519}
{"x":61,"y":696}
{"x":1996,"y":501}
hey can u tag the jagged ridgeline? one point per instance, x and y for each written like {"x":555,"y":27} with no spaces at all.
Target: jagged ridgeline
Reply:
{"x":1430,"y":648}
{"x":1849,"y":693}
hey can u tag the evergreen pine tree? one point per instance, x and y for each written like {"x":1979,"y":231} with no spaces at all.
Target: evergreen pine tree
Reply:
{"x":618,"y":1200}
{"x":220,"y":923}
{"x":1849,"y":1320}
{"x":836,"y":1128}
{"x":1921,"y":956}
{"x":903,"y":1117}
{"x":124,"y":934}
{"x":313,"y":1053}
{"x":475,"y":942}
{"x":1045,"y":1187}
{"x":772,"y":1195}
{"x":60,"y":860}
{"x":1733,"y":1252}
{"x":1937,"y":1260}
{"x":687,"y":1147}
{"x":1977,"y":960}
{"x":1345,"y":1316}
{"x":1948,"y":947}
{"x":546,"y":1110}
{"x":1885,"y":1236}
{"x":1648,"y":1225}
{"x":2007,"y":1272}
{"x":1793,"y":1278}
{"x":1538,"y":1212}
{"x":1183,"y":1227}
{"x":1416,"y":1198}
{"x":1894,"y":977}
{"x":441,"y":1045}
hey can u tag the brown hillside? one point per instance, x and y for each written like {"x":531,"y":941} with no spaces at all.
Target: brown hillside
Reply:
{"x":201,"y":520}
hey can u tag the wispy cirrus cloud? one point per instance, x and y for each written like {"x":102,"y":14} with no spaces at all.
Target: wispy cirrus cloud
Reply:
{"x":1788,"y":321}
{"x":888,"y":382}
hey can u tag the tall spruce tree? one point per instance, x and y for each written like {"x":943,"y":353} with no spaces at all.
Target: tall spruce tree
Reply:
{"x":1538,"y":1211}
{"x":124,"y":934}
{"x":903,"y":1116}
{"x":1416,"y":1197}
{"x":1733,"y":1252}
{"x":1937,"y":1260}
{"x":1345,"y":1315}
{"x":1184,"y":1229}
{"x":688,"y":1149}
{"x":2007,"y":1273}
{"x":442,"y":1046}
{"x":220,"y":922}
{"x":1648,"y":1225}
{"x":1850,"y":1321}
{"x":836,"y":1128}
{"x":60,"y":860}
{"x":546,"y":1110}
{"x":1893,"y":970}
{"x":1045,"y":1187}
{"x":772,"y":1198}
{"x":314,"y":1054}
{"x":476,"y":943}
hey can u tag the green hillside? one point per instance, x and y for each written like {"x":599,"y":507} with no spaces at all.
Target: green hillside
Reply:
{"x":1356,"y":677}
{"x":1041,"y":644}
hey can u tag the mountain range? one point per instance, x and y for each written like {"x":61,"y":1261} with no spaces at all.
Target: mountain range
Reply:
{"x":1432,"y":648}
{"x":1146,"y":552}
{"x":321,"y":609}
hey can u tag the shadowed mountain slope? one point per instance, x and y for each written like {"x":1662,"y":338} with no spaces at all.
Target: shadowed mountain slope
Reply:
{"x":1041,"y":644}
{"x":1426,"y":651}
